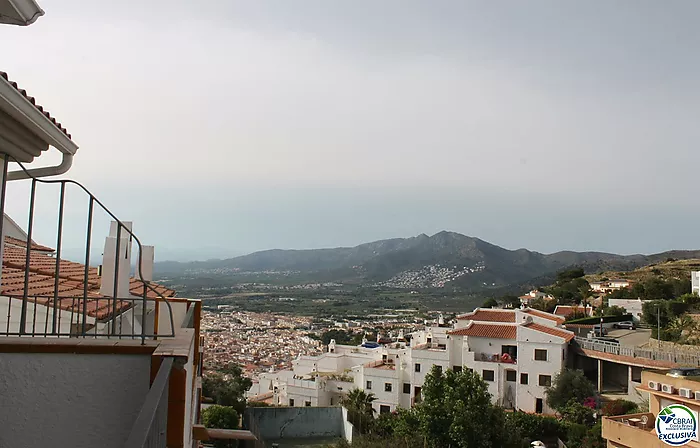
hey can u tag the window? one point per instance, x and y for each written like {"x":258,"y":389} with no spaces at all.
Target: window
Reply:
{"x":407,"y":388}
{"x":387,"y":387}
{"x":439,"y":369}
{"x":488,"y":375}
{"x":384,"y":409}
{"x":510,"y":350}
{"x":538,"y":405}
{"x":417,"y":367}
{"x":540,"y":355}
{"x":291,"y":401}
{"x":369,"y":385}
{"x":511,"y":375}
{"x":457,"y":368}
{"x":307,"y":404}
{"x":523,"y":378}
{"x":545,"y":380}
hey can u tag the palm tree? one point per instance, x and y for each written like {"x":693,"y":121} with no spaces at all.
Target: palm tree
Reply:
{"x":360,"y":411}
{"x":359,"y":400}
{"x":683,"y":327}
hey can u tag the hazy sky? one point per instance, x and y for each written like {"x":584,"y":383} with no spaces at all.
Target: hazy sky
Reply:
{"x":222,"y":127}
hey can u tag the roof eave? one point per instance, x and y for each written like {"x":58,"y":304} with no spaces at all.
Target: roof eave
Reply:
{"x":27,"y":11}
{"x":25,"y":112}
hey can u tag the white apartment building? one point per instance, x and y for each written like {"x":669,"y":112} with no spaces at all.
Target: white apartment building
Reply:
{"x":517,"y":352}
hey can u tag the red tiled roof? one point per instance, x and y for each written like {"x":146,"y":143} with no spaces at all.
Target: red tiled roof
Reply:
{"x":487,"y":331}
{"x":42,"y":277}
{"x":566,"y":335}
{"x":489,"y":316}
{"x":31,"y":99}
{"x":542,"y":314}
{"x":568,"y":310}
{"x":21,"y":243}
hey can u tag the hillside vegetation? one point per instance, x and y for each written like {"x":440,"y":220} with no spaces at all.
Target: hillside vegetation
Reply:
{"x":665,"y":270}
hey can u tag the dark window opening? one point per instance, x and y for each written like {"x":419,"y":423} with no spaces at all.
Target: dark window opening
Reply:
{"x":540,"y":355}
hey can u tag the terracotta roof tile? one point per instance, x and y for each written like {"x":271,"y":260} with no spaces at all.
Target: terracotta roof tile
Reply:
{"x":482,"y":315}
{"x":567,"y":310}
{"x":31,"y":99}
{"x":487,"y":331}
{"x":42,"y":277}
{"x":566,"y":335}
{"x":544,"y":315}
{"x":22,"y":243}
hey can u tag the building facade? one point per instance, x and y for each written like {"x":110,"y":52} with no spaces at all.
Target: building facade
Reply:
{"x":516,"y":352}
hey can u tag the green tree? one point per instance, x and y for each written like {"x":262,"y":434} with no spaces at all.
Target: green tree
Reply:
{"x":576,"y":412}
{"x":227,"y":388}
{"x":614,"y":311}
{"x":360,"y":411}
{"x":535,"y":426}
{"x":567,"y":386}
{"x":509,"y":300}
{"x":490,"y":303}
{"x":570,"y":274}
{"x":221,"y":417}
{"x":456,"y":411}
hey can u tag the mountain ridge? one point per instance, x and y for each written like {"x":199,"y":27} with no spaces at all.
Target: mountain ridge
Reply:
{"x":467,"y":262}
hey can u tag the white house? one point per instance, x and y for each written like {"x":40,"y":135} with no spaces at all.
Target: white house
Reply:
{"x":517,"y":352}
{"x":632,"y":306}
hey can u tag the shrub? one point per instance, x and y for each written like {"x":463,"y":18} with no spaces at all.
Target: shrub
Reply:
{"x":619,"y":407}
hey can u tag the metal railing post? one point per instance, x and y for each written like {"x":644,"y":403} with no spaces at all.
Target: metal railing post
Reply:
{"x":25,"y":295}
{"x":58,"y":257}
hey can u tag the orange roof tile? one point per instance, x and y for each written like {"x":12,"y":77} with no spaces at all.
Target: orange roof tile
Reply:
{"x":21,"y":243}
{"x":542,"y":314}
{"x":566,"y":335}
{"x":568,"y":310}
{"x":71,"y":287}
{"x":481,"y":315}
{"x":487,"y":331}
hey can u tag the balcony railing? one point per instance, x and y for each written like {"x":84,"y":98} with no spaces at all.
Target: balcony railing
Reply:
{"x":72,"y":309}
{"x":636,"y":352}
{"x":494,"y":357}
{"x":633,"y":430}
{"x":151,"y":425}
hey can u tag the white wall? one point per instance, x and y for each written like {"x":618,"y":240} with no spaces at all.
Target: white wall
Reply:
{"x":36,"y":321}
{"x":75,"y":400}
{"x":632,"y":306}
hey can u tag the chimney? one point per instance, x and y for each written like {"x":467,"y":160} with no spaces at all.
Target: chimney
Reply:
{"x":109,"y":262}
{"x":147,"y":257}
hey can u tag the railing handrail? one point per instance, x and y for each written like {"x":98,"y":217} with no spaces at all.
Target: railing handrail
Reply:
{"x":120,"y":225}
{"x":636,"y":352}
{"x":143,"y":425}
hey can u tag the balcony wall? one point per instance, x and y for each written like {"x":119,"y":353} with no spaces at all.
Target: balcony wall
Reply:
{"x":619,"y":433}
{"x":71,"y":399}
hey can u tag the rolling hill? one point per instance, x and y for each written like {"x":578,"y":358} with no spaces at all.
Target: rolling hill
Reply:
{"x":467,"y":262}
